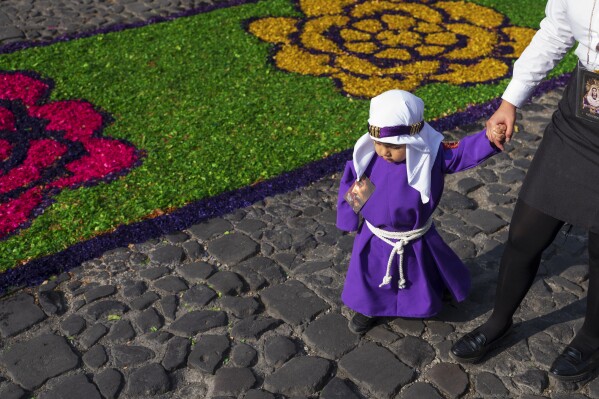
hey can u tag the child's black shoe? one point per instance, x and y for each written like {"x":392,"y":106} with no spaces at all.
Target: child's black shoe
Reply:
{"x":360,"y":323}
{"x":447,"y":297}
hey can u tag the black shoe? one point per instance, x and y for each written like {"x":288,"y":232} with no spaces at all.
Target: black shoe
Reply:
{"x":473,"y":346}
{"x":447,"y":296}
{"x":360,"y":323}
{"x":571,"y":366}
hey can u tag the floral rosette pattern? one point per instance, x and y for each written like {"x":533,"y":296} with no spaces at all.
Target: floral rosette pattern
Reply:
{"x":370,"y":46}
{"x":49,"y":146}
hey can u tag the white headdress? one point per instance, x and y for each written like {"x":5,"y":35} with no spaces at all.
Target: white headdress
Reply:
{"x":396,"y":117}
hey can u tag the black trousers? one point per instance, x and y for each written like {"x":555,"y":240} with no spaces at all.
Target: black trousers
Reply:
{"x":531,"y":232}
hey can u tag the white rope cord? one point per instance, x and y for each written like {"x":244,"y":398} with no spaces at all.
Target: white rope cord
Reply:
{"x":403,"y":238}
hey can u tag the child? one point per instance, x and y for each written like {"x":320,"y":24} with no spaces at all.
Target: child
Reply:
{"x":400,"y":265}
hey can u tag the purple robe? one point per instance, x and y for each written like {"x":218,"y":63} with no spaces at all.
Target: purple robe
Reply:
{"x":429,"y":264}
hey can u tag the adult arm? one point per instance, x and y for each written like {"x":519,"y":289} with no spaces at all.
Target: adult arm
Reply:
{"x":546,"y":49}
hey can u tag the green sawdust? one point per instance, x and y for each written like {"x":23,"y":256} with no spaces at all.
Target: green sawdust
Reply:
{"x":201,"y":98}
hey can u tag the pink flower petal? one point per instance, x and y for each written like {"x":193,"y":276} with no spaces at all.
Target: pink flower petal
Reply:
{"x":42,"y":154}
{"x":7,"y":120}
{"x":76,"y":122}
{"x":16,"y":212}
{"x":17,"y":86}
{"x":106,"y":156}
{"x":78,"y":119}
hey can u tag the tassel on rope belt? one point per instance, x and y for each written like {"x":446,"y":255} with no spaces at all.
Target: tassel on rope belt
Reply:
{"x":403,"y":238}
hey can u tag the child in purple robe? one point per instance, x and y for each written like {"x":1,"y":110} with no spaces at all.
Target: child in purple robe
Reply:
{"x":400,"y":265}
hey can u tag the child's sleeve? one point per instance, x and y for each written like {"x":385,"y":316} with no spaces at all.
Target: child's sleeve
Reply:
{"x":467,"y":153}
{"x":347,"y":219}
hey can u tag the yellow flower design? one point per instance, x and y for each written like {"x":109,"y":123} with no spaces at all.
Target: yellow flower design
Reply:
{"x":370,"y":46}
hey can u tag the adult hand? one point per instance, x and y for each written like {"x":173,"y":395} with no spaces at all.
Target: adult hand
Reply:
{"x":506,"y":115}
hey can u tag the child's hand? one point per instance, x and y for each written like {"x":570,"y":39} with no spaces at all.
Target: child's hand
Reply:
{"x":498,"y":133}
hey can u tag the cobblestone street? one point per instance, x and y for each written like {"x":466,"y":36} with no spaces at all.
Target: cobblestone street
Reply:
{"x":248,"y":305}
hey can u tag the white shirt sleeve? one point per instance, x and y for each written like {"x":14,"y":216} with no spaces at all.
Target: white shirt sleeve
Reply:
{"x":546,"y":49}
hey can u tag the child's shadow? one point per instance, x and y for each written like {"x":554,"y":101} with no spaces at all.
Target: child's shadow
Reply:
{"x":557,"y":296}
{"x":556,"y":260}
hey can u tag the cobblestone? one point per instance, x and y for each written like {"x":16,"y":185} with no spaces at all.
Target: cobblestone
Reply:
{"x":420,"y":390}
{"x":253,"y":327}
{"x":376,"y":369}
{"x":302,"y":375}
{"x":32,"y":362}
{"x":233,"y":381}
{"x":73,"y":387}
{"x":278,"y":349}
{"x":413,"y":351}
{"x":293,"y":302}
{"x":208,"y":353}
{"x":247,"y":305}
{"x":338,"y":389}
{"x":176,"y":353}
{"x":197,"y":321}
{"x":148,"y":380}
{"x":330,"y":337}
{"x":18,"y":313}
{"x":109,"y":382}
{"x":243,"y":355}
{"x":449,"y":379}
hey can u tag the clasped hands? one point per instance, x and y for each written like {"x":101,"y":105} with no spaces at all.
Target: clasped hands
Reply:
{"x":496,"y":135}
{"x":500,"y":126}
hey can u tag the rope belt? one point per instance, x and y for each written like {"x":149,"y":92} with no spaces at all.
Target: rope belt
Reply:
{"x":403,"y":238}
